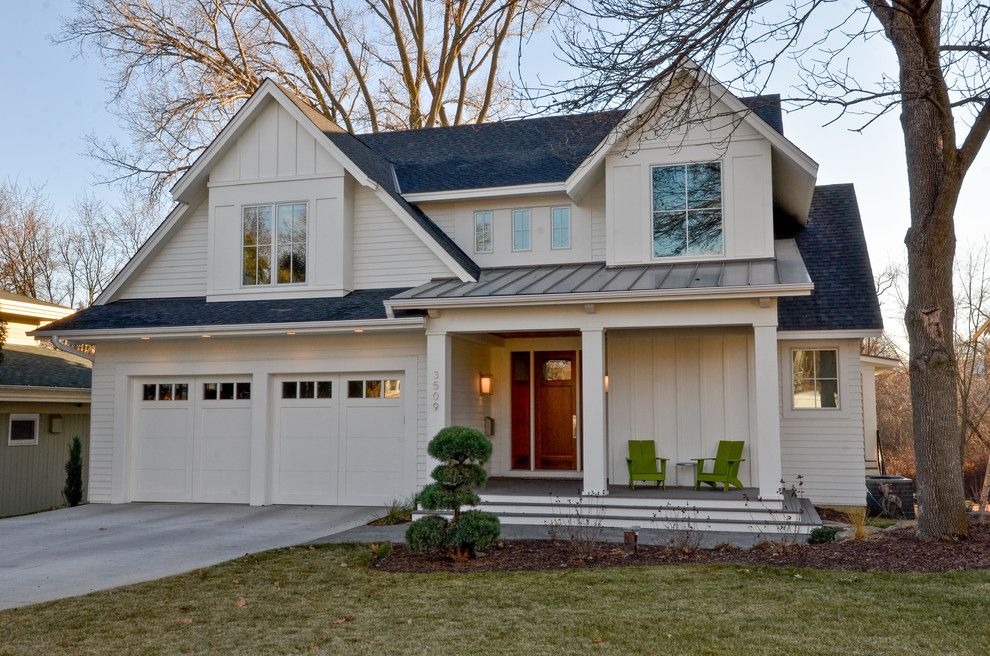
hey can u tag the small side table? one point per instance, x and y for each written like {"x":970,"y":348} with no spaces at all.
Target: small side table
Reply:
{"x":693,"y":464}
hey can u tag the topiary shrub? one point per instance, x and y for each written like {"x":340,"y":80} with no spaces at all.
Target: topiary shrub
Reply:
{"x":428,"y":534}
{"x":461,"y":451}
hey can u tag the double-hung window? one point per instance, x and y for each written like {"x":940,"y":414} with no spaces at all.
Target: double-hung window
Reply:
{"x":687,"y":209}
{"x":280,"y":244}
{"x":816,"y":378}
{"x":483,"y":236}
{"x":22,"y":429}
{"x":560,"y":228}
{"x":522,"y":223}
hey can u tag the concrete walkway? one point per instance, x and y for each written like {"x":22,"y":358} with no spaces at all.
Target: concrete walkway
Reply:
{"x":74,"y":551}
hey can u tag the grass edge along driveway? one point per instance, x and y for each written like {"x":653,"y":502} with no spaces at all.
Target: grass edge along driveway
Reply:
{"x":327,"y":600}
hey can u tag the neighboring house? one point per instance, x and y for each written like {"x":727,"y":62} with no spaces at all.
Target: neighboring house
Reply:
{"x":872,"y":366}
{"x":318,"y":305}
{"x":44,"y":403}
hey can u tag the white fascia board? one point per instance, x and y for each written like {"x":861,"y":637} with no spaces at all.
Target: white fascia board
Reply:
{"x":244,"y":330}
{"x":487,"y":192}
{"x":828,"y":334}
{"x":34,"y":310}
{"x":802,"y":289}
{"x":27,"y":394}
{"x":879,"y":362}
{"x":149,"y":247}
{"x":720,"y":92}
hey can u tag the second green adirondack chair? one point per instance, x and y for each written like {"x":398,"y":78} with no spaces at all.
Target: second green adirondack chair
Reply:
{"x":726,"y":467}
{"x":642,"y":462}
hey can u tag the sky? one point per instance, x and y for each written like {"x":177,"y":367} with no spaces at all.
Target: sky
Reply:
{"x":63,"y":97}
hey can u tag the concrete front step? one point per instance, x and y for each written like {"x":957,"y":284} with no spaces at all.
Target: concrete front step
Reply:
{"x":635,"y":502}
{"x":643,"y":514}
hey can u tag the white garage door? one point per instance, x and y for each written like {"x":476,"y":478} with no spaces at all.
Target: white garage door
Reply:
{"x":339,"y":439}
{"x":192,"y":440}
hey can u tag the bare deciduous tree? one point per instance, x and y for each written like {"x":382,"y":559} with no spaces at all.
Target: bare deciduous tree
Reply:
{"x":182,"y":67}
{"x":941,"y":86}
{"x":27,"y":238}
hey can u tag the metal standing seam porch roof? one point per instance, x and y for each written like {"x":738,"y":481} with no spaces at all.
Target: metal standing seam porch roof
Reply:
{"x":784,"y":273}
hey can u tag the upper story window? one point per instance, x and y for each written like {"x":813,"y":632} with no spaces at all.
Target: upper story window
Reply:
{"x":560,"y":228}
{"x":483,"y":240}
{"x":522,"y":223}
{"x":286,"y":248}
{"x":687,"y":209}
{"x":816,"y":378}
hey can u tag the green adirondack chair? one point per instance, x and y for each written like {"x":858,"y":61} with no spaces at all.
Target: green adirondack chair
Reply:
{"x":642,"y":462}
{"x":726,"y":467}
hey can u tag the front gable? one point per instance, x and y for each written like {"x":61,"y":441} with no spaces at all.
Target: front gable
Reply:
{"x":273,"y":155}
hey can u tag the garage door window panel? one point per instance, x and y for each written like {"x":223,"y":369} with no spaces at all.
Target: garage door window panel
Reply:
{"x":165,"y":392}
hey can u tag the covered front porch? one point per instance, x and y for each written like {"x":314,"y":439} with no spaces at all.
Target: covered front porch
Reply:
{"x":561,"y":390}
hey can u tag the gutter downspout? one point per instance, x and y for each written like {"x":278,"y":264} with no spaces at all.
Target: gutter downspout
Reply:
{"x":68,"y":348}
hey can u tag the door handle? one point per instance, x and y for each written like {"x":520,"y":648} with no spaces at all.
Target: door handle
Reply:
{"x":574,"y":427}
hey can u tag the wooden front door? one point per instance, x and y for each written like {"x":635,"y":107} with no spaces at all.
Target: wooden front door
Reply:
{"x":556,"y":424}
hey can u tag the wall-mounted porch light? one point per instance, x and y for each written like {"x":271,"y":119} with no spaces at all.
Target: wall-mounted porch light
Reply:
{"x":485,"y":384}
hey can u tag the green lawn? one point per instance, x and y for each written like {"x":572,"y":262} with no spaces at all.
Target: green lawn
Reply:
{"x":328,"y":601}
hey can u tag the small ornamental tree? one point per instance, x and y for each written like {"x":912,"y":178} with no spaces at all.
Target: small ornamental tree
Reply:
{"x":462,"y":452}
{"x":73,"y":490}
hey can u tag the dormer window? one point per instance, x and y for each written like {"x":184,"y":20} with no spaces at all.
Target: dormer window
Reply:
{"x":286,"y":248}
{"x":687,"y":210}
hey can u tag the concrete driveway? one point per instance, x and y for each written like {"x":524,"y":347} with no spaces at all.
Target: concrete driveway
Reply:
{"x":73,"y":551}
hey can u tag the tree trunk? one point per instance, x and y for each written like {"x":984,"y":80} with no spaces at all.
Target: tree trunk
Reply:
{"x":934,"y":178}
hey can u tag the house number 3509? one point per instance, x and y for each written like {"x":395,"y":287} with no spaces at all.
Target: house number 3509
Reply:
{"x":436,"y":390}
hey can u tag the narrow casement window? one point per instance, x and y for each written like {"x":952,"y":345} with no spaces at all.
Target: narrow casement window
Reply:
{"x":560,"y":228}
{"x":283,"y":243}
{"x":483,"y":236}
{"x":23,"y":429}
{"x":521,"y":230}
{"x":687,"y":210}
{"x":816,"y":379}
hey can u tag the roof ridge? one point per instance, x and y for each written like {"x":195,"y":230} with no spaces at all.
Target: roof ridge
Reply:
{"x":520,"y":119}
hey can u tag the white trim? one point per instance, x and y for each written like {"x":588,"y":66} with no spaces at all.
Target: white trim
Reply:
{"x":26,"y":394}
{"x":828,"y":334}
{"x":877,"y":361}
{"x":487,"y":192}
{"x":23,"y":416}
{"x":752,"y":291}
{"x":259,"y":329}
{"x":34,"y":310}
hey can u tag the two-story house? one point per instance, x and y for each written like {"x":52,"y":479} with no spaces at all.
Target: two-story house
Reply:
{"x":319,"y":304}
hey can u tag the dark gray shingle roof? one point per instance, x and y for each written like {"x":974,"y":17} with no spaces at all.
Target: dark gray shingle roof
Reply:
{"x":506,"y":153}
{"x":834,"y":249}
{"x":37,"y":366}
{"x":196,"y":312}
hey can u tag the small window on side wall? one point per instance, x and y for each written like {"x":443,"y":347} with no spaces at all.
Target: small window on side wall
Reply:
{"x":560,"y":228}
{"x":522,"y":230}
{"x":816,"y":379}
{"x":23,"y":429}
{"x":484,"y":238}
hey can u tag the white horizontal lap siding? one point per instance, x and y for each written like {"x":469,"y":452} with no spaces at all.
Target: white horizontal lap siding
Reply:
{"x":468,"y":361}
{"x":101,"y":432}
{"x":686,"y":391}
{"x":825,"y":447}
{"x":386,"y":252}
{"x":179,"y":266}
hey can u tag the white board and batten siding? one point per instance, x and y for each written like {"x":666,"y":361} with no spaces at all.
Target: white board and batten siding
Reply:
{"x":825,"y":446}
{"x":684,"y":390}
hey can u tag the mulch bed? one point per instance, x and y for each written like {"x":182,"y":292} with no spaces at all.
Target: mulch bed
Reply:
{"x":895,"y":550}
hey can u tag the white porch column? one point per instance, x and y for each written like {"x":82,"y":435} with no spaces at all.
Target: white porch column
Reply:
{"x":594,"y":456}
{"x":766,"y":380}
{"x":437,"y":390}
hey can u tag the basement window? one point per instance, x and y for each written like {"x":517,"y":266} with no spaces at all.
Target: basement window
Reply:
{"x":23,"y":430}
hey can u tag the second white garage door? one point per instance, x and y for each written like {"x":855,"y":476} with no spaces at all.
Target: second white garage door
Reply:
{"x":338,"y":439}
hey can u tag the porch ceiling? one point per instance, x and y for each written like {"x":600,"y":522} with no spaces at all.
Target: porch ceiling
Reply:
{"x":782,"y":274}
